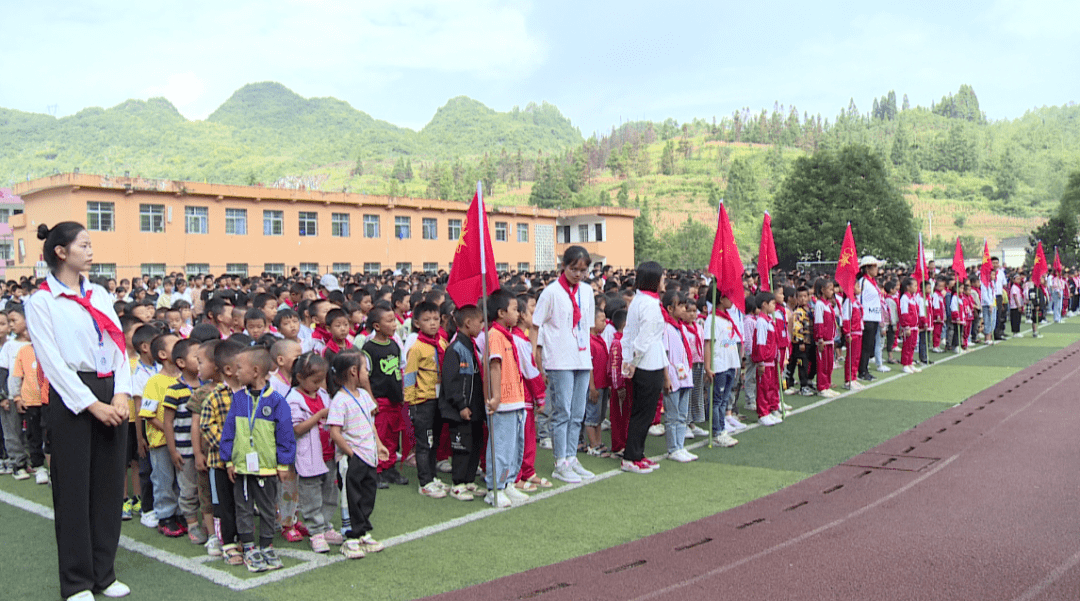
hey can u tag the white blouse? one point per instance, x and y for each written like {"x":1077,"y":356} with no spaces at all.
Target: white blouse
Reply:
{"x":562,"y":345}
{"x":65,"y":341}
{"x":643,"y":343}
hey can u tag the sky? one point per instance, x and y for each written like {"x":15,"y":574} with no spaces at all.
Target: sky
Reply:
{"x":600,"y":62}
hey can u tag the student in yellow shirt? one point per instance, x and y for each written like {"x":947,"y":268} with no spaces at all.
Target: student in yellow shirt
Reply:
{"x":152,"y":410}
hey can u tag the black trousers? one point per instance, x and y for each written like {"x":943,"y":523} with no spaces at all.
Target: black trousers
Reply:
{"x":87,"y":490}
{"x":1014,"y":317}
{"x":999,"y":327}
{"x":360,"y":493}
{"x":221,"y":496}
{"x":869,"y":340}
{"x":427,"y":425}
{"x":35,"y":434}
{"x":803,"y":360}
{"x":466,"y":442}
{"x":648,"y":386}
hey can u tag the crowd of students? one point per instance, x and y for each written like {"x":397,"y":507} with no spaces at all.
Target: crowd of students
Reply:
{"x":294,"y":399}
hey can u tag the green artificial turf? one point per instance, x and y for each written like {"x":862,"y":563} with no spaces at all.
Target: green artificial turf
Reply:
{"x":603,"y":514}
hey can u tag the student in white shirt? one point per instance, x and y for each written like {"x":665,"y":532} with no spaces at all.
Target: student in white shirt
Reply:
{"x":562,"y":319}
{"x":87,"y":367}
{"x":722,"y":338}
{"x":644,"y":362}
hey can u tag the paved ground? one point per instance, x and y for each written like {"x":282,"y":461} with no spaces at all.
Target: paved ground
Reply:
{"x":979,"y":502}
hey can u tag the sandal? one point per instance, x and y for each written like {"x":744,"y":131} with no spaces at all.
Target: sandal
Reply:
{"x":525,"y":486}
{"x":541,"y":482}
{"x":233,"y":556}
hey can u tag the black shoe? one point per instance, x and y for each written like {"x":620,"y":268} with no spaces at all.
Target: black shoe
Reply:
{"x":380,"y":481}
{"x":394,"y":477}
{"x":866,"y":376}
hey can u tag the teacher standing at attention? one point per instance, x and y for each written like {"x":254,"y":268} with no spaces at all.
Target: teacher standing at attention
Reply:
{"x":80,"y":347}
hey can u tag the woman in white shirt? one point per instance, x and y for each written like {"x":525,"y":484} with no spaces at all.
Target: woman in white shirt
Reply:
{"x":564,"y":354}
{"x":644,"y":361}
{"x":80,"y":347}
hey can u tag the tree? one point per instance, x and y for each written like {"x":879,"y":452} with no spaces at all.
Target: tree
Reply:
{"x":743,"y":195}
{"x":907,"y":105}
{"x":646,"y":246}
{"x":623,"y":196}
{"x":689,"y":247}
{"x":667,"y":159}
{"x":1062,"y":229}
{"x":1007,"y":177}
{"x":358,"y":170}
{"x":826,"y":190}
{"x":605,"y":199}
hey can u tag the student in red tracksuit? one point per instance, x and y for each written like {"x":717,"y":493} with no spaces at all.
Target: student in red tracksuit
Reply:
{"x":621,"y":387}
{"x":909,"y":324}
{"x":938,"y":309}
{"x":852,"y":326}
{"x":824,"y":336}
{"x":764,"y":357}
{"x":969,"y":312}
{"x":783,"y":336}
{"x":958,"y":312}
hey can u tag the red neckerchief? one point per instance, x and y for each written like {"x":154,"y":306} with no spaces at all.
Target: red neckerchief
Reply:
{"x":315,"y":405}
{"x":400,"y":319}
{"x":652,"y":294}
{"x":422,"y":337}
{"x":334,"y":347}
{"x":722,"y":314}
{"x":678,"y":326}
{"x":444,"y":336}
{"x":104,"y":323}
{"x":573,"y":299}
{"x":321,"y":333}
{"x":699,"y":342}
{"x":355,"y":329}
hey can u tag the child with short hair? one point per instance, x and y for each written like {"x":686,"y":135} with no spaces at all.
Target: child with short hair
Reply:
{"x":462,"y":401}
{"x":678,"y":379}
{"x":315,"y":465}
{"x":212,"y":422}
{"x":152,"y":410}
{"x":802,"y":342}
{"x":26,"y":387}
{"x":143,"y":369}
{"x":287,"y":324}
{"x":177,"y":430}
{"x":599,"y":388}
{"x":1016,"y":305}
{"x":505,"y":404}
{"x":749,"y":376}
{"x":535,"y":392}
{"x":385,"y":381}
{"x":824,"y":336}
{"x":354,"y":433}
{"x":14,"y":440}
{"x":692,"y":329}
{"x":621,"y":387}
{"x":938,"y":314}
{"x":209,"y":376}
{"x":174,"y":321}
{"x":283,"y":353}
{"x":852,"y":316}
{"x":257,"y":444}
{"x":422,"y":386}
{"x":909,"y":325}
{"x":957,"y":311}
{"x":337,"y":323}
{"x":765,"y":360}
{"x":925,"y":325}
{"x":722,"y":338}
{"x":255,"y":323}
{"x":320,"y":334}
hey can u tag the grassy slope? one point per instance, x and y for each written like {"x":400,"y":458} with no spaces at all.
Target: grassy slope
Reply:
{"x":570,"y":524}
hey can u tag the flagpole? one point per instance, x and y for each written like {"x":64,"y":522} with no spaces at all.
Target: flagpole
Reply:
{"x":712,"y":340}
{"x":482,"y":219}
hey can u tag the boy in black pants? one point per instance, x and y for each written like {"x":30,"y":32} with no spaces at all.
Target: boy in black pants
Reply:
{"x":462,"y":402}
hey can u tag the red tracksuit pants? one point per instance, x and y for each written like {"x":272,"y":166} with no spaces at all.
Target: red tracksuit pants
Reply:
{"x":528,"y":458}
{"x":825,"y":360}
{"x":937,"y":333}
{"x":392,"y":422}
{"x":967,"y":334}
{"x":619,"y":412}
{"x":911,"y":341}
{"x":768,"y":389}
{"x":851,"y":359}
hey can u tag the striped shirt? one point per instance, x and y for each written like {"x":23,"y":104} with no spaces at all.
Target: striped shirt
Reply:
{"x":352,"y":410}
{"x":176,"y":398}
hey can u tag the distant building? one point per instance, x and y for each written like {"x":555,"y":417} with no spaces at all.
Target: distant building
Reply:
{"x":154,"y":226}
{"x":1012,"y":251}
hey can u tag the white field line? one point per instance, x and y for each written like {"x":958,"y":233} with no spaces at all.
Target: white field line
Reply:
{"x":311,"y":561}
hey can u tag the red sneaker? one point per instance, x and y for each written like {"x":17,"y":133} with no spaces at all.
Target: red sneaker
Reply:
{"x":650,"y":462}
{"x":171,"y":530}
{"x":292,"y":535}
{"x":302,"y":529}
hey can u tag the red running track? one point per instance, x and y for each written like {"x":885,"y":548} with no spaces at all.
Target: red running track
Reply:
{"x":979,"y":502}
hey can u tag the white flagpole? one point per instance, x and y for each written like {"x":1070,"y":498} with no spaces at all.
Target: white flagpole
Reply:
{"x":481,"y":223}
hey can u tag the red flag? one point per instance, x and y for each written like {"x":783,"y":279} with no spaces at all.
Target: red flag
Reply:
{"x":920,"y":265}
{"x":1057,"y":262}
{"x":725,"y":263}
{"x":958,"y":261}
{"x":847,"y":268}
{"x":1038,"y":268}
{"x":766,"y":258}
{"x":471,"y":267}
{"x":985,"y":268}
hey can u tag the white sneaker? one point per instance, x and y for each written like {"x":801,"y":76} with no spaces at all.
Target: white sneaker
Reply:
{"x":116,"y":590}
{"x":936,"y":349}
{"x":563,"y":471}
{"x":213,"y":546}
{"x":41,"y":476}
{"x":497,"y":499}
{"x":149,"y":519}
{"x":698,"y":430}
{"x":688,"y":434}
{"x":432,"y":490}
{"x":909,"y":369}
{"x":776,"y":415}
{"x":444,"y":466}
{"x":692,"y":456}
{"x":725,"y":440}
{"x":605,"y":425}
{"x":767,"y":420}
{"x":545,"y":443}
{"x":791,"y":391}
{"x":580,"y":469}
{"x":679,"y":456}
{"x":441,"y":484}
{"x":657,"y":430}
{"x":515,"y":495}
{"x":82,"y":596}
{"x":917,"y":369}
{"x":786,"y":407}
{"x":856,"y":385}
{"x":734,"y":423}
{"x":829,"y":393}
{"x":1018,"y":335}
{"x":21,"y":474}
{"x":884,"y":369}
{"x":461,"y":493}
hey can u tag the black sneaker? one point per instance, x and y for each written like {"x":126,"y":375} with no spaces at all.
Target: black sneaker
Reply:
{"x":380,"y":481}
{"x":394,"y":477}
{"x":866,"y":376}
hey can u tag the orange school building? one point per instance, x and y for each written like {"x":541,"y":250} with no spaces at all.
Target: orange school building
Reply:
{"x":153,"y":226}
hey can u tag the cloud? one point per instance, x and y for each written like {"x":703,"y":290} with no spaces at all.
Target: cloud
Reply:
{"x":182,"y":90}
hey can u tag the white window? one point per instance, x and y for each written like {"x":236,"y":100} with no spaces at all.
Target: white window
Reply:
{"x":430,"y":227}
{"x":152,"y":218}
{"x":523,"y":267}
{"x":371,"y":226}
{"x":563,"y":232}
{"x":523,"y":232}
{"x":195,"y":219}
{"x":274,"y":268}
{"x":500,"y":231}
{"x":240,"y":269}
{"x":103,"y":270}
{"x":431,"y":267}
{"x":309,"y":268}
{"x":236,"y":222}
{"x":599,"y":232}
{"x":309,"y":223}
{"x":453,"y":229}
{"x":273,"y":223}
{"x":583,"y":233}
{"x":99,"y":216}
{"x":7,"y":251}
{"x":404,"y":267}
{"x":402,"y":228}
{"x":339,"y":225}
{"x":5,"y":215}
{"x":153,"y":269}
{"x":502,"y":267}
{"x":342,"y":267}
{"x":193,"y":269}
{"x":370,"y":268}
